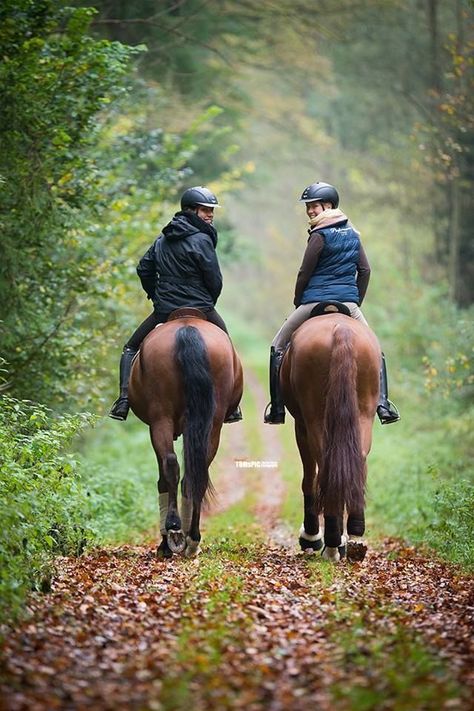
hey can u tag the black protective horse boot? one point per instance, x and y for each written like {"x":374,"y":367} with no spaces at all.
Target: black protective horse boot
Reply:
{"x":121,"y":407}
{"x":276,"y":414}
{"x":386,"y":410}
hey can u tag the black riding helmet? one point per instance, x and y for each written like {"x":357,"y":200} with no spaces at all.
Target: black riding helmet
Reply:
{"x":198,"y":196}
{"x":320,"y":192}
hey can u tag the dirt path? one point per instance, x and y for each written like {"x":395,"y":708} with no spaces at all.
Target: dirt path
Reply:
{"x":247,"y":625}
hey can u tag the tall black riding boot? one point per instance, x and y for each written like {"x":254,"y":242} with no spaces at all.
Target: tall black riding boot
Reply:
{"x":120,"y":407}
{"x":276,"y":415}
{"x":386,"y":410}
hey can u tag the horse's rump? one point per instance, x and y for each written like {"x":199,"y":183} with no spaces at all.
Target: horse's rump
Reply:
{"x":157,"y":389}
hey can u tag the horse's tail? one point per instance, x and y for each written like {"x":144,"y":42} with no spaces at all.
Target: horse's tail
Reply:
{"x":198,"y":387}
{"x":341,"y":478}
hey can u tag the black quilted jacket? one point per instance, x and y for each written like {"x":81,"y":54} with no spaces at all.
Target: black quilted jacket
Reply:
{"x":181,"y":267}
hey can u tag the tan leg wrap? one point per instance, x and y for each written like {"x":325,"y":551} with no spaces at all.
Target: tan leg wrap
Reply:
{"x":163,"y":504}
{"x":186,"y":513}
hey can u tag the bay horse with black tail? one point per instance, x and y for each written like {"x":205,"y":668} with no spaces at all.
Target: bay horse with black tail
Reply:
{"x":330,"y":383}
{"x":185,"y":380}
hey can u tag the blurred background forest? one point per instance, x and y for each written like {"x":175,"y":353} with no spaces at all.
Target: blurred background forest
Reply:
{"x":109,"y":111}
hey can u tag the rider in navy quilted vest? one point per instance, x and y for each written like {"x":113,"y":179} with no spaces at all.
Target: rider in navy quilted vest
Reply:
{"x":334,"y":276}
{"x":179,"y":269}
{"x":334,"y":268}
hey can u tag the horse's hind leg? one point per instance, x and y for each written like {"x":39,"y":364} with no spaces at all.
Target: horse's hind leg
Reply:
{"x":194,"y":537}
{"x":356,"y":547}
{"x":334,"y":539}
{"x":310,"y":538}
{"x":170,"y":523}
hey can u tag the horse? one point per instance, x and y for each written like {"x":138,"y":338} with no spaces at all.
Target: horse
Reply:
{"x":329,"y":378}
{"x":185,"y":380}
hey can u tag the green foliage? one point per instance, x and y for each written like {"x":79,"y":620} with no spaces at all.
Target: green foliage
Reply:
{"x":55,"y":80}
{"x":449,"y":363}
{"x":86,"y":181}
{"x":43,"y":508}
{"x":450,"y":531}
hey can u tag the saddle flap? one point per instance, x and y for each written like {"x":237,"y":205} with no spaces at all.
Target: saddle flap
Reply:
{"x":187,"y":312}
{"x":330,"y":307}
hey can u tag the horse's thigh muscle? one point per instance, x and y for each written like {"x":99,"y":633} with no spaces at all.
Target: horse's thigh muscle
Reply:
{"x":366,"y":424}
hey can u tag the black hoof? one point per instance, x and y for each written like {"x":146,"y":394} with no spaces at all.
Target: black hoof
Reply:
{"x":163,"y":550}
{"x":356,"y":551}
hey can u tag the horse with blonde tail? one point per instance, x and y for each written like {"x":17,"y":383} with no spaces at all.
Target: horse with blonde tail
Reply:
{"x":330,"y":383}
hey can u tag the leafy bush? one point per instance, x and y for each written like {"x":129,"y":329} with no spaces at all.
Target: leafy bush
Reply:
{"x":451,"y":531}
{"x":55,"y":82}
{"x":43,"y":507}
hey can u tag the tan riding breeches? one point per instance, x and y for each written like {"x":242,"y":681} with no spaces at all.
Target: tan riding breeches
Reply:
{"x":300,"y":315}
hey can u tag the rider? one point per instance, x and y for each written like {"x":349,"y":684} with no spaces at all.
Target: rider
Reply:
{"x":180,"y":269}
{"x":334,"y":267}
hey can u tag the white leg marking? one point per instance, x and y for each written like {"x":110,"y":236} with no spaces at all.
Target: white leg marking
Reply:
{"x":310,"y":537}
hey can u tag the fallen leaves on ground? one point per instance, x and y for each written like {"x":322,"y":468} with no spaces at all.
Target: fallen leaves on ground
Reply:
{"x":124,"y":630}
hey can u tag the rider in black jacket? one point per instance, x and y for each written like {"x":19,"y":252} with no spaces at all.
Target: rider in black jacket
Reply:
{"x":179,"y":269}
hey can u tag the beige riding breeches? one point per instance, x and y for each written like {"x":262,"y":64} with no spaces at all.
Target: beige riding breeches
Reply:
{"x":300,"y":315}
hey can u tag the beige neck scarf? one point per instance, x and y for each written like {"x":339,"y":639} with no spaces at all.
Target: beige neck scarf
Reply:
{"x":327,"y":218}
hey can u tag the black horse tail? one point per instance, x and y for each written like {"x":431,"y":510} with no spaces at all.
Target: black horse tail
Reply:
{"x":198,"y":387}
{"x":341,"y":478}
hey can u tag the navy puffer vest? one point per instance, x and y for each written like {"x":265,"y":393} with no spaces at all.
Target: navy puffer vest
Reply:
{"x":334,"y":277}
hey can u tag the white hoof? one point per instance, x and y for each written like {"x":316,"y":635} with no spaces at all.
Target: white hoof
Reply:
{"x":331,"y":554}
{"x":335,"y":554}
{"x":176,"y":541}
{"x":192,"y":548}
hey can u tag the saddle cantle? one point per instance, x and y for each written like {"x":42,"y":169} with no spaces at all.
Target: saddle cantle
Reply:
{"x":187,"y":312}
{"x":329,"y":307}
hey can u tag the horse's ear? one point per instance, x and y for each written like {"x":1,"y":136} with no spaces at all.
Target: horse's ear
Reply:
{"x":329,"y":307}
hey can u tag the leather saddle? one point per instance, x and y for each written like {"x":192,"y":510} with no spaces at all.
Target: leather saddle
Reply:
{"x":187,"y":312}
{"x":329,"y":307}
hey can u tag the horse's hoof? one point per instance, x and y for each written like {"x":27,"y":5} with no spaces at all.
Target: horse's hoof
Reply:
{"x":356,"y":551}
{"x":176,"y":541}
{"x":163,"y":550}
{"x":331,"y":554}
{"x":335,"y":554}
{"x":192,"y":548}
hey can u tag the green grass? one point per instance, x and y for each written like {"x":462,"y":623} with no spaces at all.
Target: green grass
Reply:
{"x":120,"y":473}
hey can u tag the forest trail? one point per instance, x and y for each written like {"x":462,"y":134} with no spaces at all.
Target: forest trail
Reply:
{"x":251,"y":624}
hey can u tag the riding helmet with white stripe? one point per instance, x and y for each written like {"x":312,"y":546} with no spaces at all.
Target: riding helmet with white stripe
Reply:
{"x":320,"y":192}
{"x":198,"y":196}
